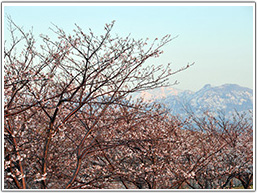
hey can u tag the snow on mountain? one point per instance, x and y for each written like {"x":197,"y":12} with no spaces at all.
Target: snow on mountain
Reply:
{"x":157,"y":94}
{"x":225,"y":98}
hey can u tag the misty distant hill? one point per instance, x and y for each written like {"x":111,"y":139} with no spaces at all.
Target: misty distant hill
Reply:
{"x":225,"y":98}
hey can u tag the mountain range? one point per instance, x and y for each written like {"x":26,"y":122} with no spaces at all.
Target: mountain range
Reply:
{"x":225,"y":98}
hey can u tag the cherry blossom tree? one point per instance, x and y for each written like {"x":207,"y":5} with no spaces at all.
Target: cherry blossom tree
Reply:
{"x":56,"y":98}
{"x":225,"y":151}
{"x":70,"y":123}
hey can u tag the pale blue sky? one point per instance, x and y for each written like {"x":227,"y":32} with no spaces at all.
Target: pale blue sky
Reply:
{"x":219,"y":39}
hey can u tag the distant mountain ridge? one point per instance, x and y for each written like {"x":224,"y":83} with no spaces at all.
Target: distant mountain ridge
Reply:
{"x":226,"y":98}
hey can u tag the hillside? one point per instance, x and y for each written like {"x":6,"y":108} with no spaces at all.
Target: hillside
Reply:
{"x":225,"y":98}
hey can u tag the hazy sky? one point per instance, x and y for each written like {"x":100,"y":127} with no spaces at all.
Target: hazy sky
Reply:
{"x":219,"y":39}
